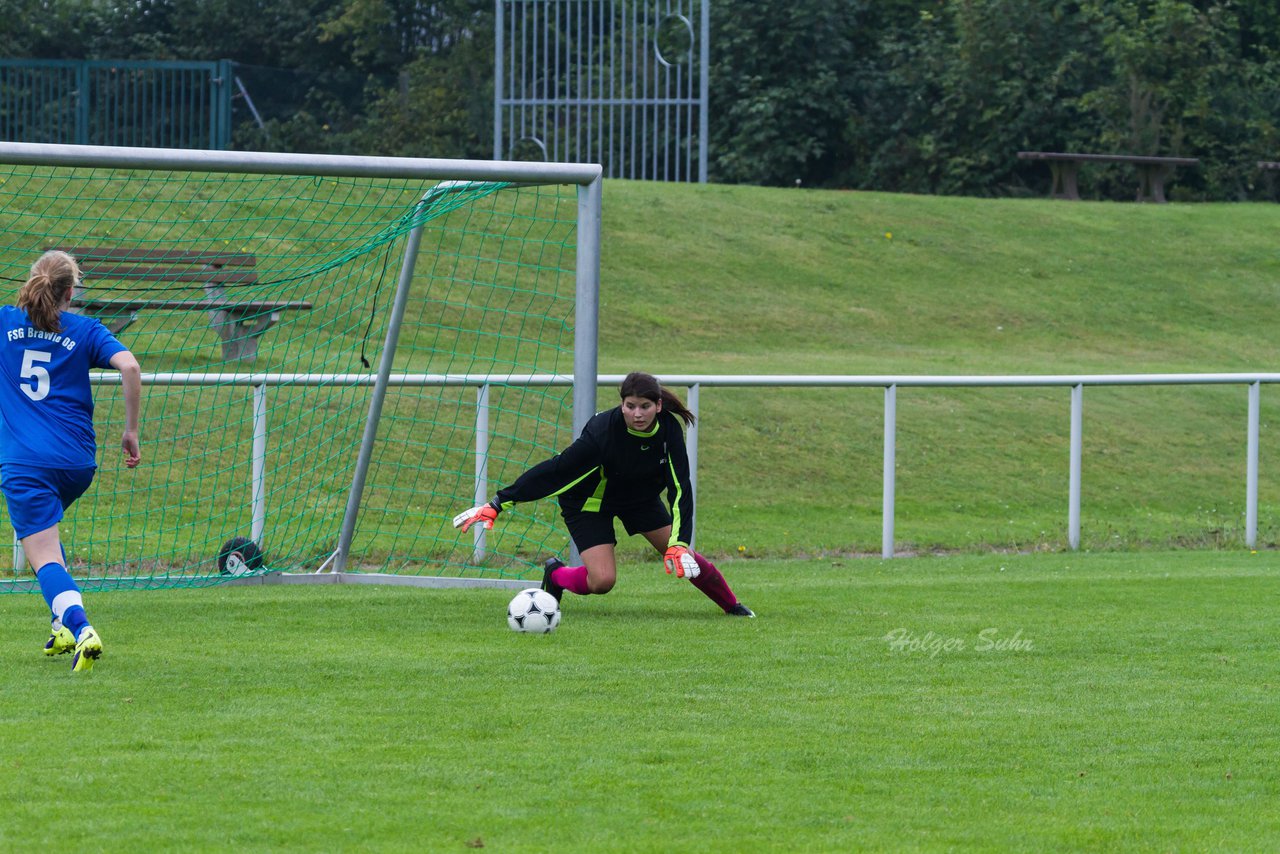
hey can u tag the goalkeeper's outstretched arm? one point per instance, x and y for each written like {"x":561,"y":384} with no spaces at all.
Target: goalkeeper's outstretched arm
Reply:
{"x":549,"y":477}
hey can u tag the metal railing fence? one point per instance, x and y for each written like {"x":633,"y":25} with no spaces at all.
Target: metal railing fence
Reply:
{"x":696,"y":382}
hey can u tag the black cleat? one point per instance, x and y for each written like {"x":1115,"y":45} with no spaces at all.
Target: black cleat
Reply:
{"x":551,"y":565}
{"x":740,"y":610}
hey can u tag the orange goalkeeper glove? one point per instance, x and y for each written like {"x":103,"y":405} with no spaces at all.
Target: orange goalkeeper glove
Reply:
{"x":679,"y":560}
{"x":484,"y":514}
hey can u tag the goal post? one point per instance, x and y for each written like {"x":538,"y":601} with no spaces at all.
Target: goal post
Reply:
{"x":319,"y":335}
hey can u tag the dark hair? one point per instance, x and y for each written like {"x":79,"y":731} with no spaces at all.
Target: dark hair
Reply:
{"x":639,"y":384}
{"x":48,"y":288}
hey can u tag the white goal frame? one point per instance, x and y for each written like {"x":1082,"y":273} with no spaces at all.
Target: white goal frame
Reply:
{"x":586,"y":177}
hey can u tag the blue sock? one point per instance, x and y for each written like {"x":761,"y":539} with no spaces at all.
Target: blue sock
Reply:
{"x":57,"y":624}
{"x":63,"y":596}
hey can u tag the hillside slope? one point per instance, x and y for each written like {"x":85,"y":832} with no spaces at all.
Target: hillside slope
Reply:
{"x":750,"y":280}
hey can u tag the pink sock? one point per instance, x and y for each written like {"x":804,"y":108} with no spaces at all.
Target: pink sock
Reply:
{"x":572,"y":578}
{"x":712,"y":584}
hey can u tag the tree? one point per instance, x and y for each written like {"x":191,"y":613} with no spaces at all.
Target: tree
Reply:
{"x":780,"y":97}
{"x":909,"y":95}
{"x":1163,"y":54}
{"x":443,"y":106}
{"x":953,"y":96}
{"x":50,"y":29}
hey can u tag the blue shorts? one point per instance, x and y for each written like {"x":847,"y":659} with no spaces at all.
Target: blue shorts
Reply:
{"x":37,"y":497}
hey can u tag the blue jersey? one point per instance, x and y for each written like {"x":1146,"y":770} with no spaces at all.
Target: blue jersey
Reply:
{"x":46,"y":403}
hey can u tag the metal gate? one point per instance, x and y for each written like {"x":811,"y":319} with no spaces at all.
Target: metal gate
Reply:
{"x":116,"y":102}
{"x":622,"y":83}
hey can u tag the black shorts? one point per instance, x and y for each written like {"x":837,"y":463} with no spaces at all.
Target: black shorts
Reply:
{"x":596,"y":529}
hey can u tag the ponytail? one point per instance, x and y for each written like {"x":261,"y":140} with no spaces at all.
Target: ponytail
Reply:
{"x":639,"y":384}
{"x":48,"y":290}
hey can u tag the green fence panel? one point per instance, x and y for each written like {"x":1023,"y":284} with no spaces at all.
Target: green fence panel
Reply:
{"x":160,"y":104}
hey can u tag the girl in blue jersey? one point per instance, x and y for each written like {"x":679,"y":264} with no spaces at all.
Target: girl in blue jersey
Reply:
{"x":619,"y":468}
{"x":48,"y":451}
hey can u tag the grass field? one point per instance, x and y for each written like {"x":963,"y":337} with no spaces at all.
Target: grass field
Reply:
{"x":996,"y":702}
{"x":1007,"y":696}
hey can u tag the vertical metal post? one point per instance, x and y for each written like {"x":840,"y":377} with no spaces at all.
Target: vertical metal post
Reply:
{"x":612,"y":95}
{"x":84,"y":97}
{"x":890,"y":469}
{"x":587,"y":316}
{"x":499,"y":47}
{"x":691,"y":445}
{"x":19,"y":556}
{"x":482,"y":468}
{"x":1077,"y":452}
{"x":221,"y":107}
{"x":258,"y":464}
{"x":378,"y":397}
{"x":1251,"y":468}
{"x":704,"y":89}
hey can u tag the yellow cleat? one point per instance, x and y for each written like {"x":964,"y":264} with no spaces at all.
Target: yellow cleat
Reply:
{"x":88,"y":648}
{"x":60,"y":642}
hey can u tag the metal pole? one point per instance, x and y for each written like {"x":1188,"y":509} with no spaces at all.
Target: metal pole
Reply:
{"x":482,"y":468}
{"x":499,"y":45}
{"x":890,"y":468}
{"x":587,"y":314}
{"x":1077,"y":445}
{"x":259,"y":463}
{"x":691,"y":444}
{"x":83,"y":100}
{"x":221,"y":131}
{"x":379,"y":395}
{"x":1251,"y":477}
{"x":311,"y":165}
{"x":704,"y":89}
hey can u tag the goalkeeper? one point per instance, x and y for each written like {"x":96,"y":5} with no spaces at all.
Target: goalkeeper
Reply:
{"x":618,"y":468}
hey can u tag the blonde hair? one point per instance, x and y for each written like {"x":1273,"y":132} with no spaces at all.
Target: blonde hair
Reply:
{"x":48,"y":289}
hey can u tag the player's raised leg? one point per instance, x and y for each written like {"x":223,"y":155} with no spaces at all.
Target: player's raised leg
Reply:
{"x":593,"y":534}
{"x":712,"y":583}
{"x":709,"y":579}
{"x":44,"y":551}
{"x":60,"y":641}
{"x":598,"y":573}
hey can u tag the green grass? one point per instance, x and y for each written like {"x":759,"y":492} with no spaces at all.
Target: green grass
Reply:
{"x":1139,"y":711}
{"x":749,"y":280}
{"x":808,"y":282}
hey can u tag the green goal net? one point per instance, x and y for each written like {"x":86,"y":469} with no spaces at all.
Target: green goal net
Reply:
{"x":259,"y":307}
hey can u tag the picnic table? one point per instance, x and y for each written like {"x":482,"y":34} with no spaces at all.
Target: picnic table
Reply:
{"x":240,"y":323}
{"x":1153,"y":171}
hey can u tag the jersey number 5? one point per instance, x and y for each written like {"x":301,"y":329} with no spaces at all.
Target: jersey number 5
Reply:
{"x":30,"y":370}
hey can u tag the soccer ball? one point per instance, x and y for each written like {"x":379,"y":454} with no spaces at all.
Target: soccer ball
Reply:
{"x":533,"y":610}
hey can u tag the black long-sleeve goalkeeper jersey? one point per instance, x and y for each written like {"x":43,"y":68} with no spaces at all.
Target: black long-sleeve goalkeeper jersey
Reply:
{"x":610,"y":466}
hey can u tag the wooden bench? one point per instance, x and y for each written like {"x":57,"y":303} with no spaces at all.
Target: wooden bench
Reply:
{"x":1152,"y":171}
{"x":239,"y":323}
